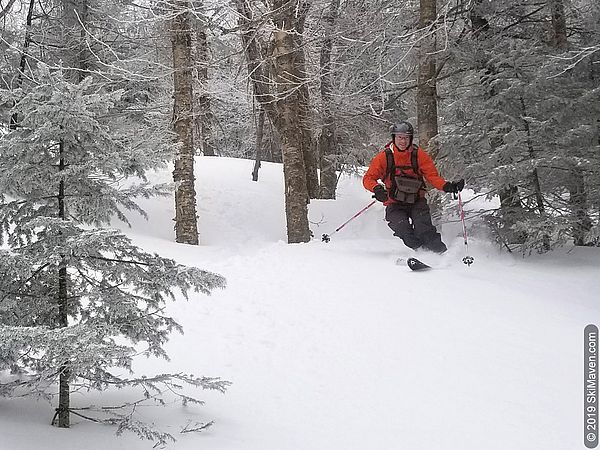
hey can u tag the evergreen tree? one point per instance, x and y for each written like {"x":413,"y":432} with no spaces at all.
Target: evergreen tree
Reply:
{"x":77,"y":300}
{"x":523,"y":124}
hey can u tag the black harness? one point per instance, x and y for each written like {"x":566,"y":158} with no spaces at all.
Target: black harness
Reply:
{"x":405,"y":188}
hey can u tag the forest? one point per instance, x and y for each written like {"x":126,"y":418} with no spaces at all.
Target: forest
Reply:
{"x":504,"y":94}
{"x":93,"y":93}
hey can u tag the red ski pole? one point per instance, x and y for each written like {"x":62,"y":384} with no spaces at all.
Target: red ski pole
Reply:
{"x":327,"y":237}
{"x":468,"y":260}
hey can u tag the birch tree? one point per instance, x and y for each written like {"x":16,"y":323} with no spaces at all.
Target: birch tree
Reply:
{"x":278,"y":89}
{"x":186,"y":226}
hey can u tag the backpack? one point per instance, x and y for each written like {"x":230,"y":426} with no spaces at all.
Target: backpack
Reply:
{"x":405,"y":189}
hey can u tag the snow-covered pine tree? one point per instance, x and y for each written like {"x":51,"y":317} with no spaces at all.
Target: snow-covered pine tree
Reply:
{"x":77,"y":300}
{"x":524,"y":128}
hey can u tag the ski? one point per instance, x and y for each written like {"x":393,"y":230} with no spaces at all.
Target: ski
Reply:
{"x":415,"y":264}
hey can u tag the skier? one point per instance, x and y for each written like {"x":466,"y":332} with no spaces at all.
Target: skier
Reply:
{"x":401,"y":167}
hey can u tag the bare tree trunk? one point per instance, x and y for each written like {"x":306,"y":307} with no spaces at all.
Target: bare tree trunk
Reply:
{"x":311,"y":160}
{"x":274,"y":142}
{"x":328,"y":144}
{"x":186,"y":227}
{"x":427,"y":85}
{"x":204,"y":116}
{"x":282,"y":106}
{"x":297,"y":11}
{"x":579,"y":205}
{"x":287,"y":77}
{"x":63,"y":410}
{"x":559,"y":24}
{"x":259,"y":138}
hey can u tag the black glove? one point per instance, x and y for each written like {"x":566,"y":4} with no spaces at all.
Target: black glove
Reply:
{"x":380,"y":193}
{"x":454,"y":187}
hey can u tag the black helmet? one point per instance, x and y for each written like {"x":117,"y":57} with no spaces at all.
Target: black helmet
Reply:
{"x":402,"y":128}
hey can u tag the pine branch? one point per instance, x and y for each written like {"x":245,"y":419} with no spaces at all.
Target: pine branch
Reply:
{"x":123,"y":261}
{"x":33,"y":275}
{"x":196,"y":427}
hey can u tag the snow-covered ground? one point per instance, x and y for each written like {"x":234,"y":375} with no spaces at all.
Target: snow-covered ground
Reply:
{"x":335,"y":347}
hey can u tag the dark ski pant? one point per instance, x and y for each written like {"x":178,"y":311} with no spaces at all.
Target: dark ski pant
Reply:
{"x":412,"y":224}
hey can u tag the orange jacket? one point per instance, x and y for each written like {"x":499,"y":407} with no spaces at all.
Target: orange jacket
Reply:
{"x":378,"y":169}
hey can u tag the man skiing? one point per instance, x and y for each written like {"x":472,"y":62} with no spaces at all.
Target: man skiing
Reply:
{"x":402,"y":167}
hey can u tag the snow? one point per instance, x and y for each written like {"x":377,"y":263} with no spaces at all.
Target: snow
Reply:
{"x":334,"y":346}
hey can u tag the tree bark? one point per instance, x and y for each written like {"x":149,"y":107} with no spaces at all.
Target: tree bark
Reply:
{"x":328,"y":144}
{"x":186,"y":227}
{"x":204,"y":116}
{"x":309,"y":151}
{"x":579,"y":206}
{"x":64,"y":391}
{"x":283,"y":104}
{"x":258,"y":145}
{"x":288,"y":106}
{"x":63,"y":317}
{"x":559,"y":24}
{"x":427,"y":86}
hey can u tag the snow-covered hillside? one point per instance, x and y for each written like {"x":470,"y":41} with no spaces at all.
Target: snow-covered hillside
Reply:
{"x":335,"y":347}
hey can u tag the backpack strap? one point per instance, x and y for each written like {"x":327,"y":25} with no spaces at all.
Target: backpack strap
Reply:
{"x":391,"y":170}
{"x":414,"y":161}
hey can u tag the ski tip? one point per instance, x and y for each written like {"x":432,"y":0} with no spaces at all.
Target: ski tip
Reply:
{"x":415,"y":264}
